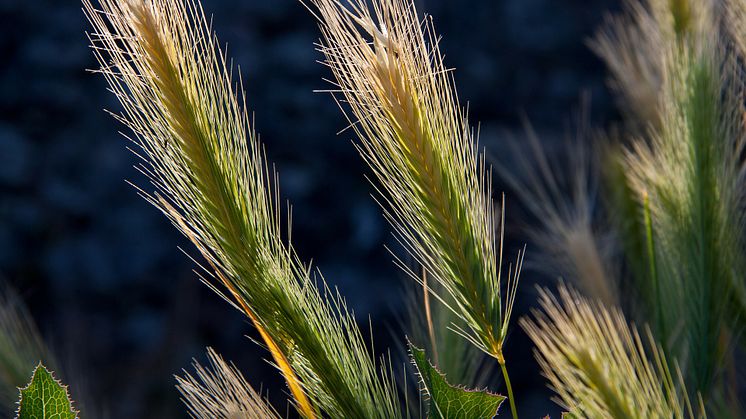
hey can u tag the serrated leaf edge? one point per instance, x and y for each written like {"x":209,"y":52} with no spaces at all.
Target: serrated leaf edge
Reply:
{"x":445,"y":379}
{"x":58,"y":382}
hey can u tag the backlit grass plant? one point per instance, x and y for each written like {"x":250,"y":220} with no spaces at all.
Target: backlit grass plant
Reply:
{"x":210,"y":178}
{"x":673,"y":190}
{"x":684,"y":174}
{"x":415,"y":138}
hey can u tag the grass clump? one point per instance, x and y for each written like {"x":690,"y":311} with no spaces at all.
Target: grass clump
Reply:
{"x":684,"y":174}
{"x":209,"y":176}
{"x":675,"y":185}
{"x":599,"y":366}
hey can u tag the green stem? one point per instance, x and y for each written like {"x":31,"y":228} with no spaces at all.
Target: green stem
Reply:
{"x":513,"y":410}
{"x":650,"y":242}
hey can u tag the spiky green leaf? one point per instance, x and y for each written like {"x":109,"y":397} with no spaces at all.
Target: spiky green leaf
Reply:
{"x":45,"y":398}
{"x":453,"y":402}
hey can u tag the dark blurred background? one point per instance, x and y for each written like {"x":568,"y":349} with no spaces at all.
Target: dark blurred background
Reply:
{"x":100,"y":269}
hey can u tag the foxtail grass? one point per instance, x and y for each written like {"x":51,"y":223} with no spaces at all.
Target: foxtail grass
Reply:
{"x":735,"y":20}
{"x":685,"y":176}
{"x":678,"y":200}
{"x":562,"y":198}
{"x":433,"y":184}
{"x":219,"y":391}
{"x":599,"y":366}
{"x":630,"y":45}
{"x":209,"y":176}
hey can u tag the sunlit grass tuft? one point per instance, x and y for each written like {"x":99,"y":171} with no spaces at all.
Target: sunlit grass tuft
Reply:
{"x":219,"y":391}
{"x":598,"y":366}
{"x":210,"y":177}
{"x":685,"y":176}
{"x":435,"y":187}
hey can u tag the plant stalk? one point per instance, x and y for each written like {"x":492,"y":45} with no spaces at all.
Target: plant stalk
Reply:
{"x":429,"y":316}
{"x":650,"y":243}
{"x":506,"y":377}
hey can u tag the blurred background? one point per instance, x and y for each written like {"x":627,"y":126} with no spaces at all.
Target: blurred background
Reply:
{"x":101,"y":269}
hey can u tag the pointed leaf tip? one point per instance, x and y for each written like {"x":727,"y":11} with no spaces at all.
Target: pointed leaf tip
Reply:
{"x":45,"y":398}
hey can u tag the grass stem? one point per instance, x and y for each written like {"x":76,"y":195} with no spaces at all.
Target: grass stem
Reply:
{"x":650,"y":242}
{"x":508,"y":386}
